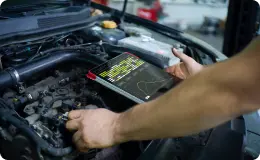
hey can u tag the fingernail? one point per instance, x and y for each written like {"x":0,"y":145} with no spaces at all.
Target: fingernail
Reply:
{"x":175,"y":50}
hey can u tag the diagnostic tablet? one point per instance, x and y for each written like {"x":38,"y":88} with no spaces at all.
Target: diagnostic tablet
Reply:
{"x":131,"y":77}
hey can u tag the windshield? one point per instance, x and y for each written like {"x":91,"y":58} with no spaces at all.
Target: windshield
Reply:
{"x":204,"y":19}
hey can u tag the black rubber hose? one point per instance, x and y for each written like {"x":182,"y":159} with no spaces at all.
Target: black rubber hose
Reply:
{"x":5,"y":79}
{"x":26,"y":71}
{"x":45,"y":147}
{"x":9,"y":115}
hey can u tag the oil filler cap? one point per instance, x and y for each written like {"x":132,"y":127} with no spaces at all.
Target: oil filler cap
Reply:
{"x":109,"y":24}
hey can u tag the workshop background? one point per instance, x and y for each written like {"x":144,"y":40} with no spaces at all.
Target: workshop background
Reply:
{"x":204,"y":19}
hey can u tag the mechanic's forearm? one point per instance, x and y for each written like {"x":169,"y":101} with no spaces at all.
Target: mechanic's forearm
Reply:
{"x":194,"y":105}
{"x":201,"y":102}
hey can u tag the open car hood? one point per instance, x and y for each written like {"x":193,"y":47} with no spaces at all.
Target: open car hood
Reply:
{"x":26,"y":2}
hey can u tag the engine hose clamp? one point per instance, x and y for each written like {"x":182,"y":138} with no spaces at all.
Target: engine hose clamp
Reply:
{"x":14,"y":74}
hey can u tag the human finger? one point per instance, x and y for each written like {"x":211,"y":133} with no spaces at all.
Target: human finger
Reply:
{"x":171,"y":69}
{"x":76,"y":136}
{"x":74,"y":114}
{"x":178,"y":72}
{"x":81,"y":146}
{"x":77,"y":140}
{"x":184,"y":71}
{"x":183,"y":57}
{"x":73,"y":125}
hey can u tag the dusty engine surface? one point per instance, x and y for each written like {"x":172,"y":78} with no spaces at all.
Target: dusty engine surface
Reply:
{"x":47,"y":81}
{"x":52,"y":98}
{"x":45,"y":105}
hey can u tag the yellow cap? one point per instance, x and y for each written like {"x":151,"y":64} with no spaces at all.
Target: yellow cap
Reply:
{"x":109,"y":24}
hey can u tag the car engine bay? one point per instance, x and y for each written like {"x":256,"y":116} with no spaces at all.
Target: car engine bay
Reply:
{"x":42,"y":80}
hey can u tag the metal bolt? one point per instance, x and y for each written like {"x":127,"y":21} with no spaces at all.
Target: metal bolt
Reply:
{"x":29,"y":96}
{"x":46,"y":136}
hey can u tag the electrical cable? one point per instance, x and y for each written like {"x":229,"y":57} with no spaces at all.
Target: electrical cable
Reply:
{"x":61,"y":38}
{"x":43,"y":43}
{"x":32,"y":46}
{"x":56,"y":49}
{"x":36,"y":54}
{"x":70,"y":48}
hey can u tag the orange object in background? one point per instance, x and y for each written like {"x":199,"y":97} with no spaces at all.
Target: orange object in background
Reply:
{"x":103,"y":2}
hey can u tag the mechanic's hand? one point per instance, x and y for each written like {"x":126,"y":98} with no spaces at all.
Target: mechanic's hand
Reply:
{"x":188,"y":67}
{"x":94,"y":128}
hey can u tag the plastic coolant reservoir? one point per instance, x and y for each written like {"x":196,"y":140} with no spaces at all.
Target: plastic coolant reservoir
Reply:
{"x":108,"y":35}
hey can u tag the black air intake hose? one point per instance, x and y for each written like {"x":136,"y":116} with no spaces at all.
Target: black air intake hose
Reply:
{"x":11,"y":76}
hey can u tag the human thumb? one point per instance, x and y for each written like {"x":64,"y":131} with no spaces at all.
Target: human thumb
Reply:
{"x":183,"y":57}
